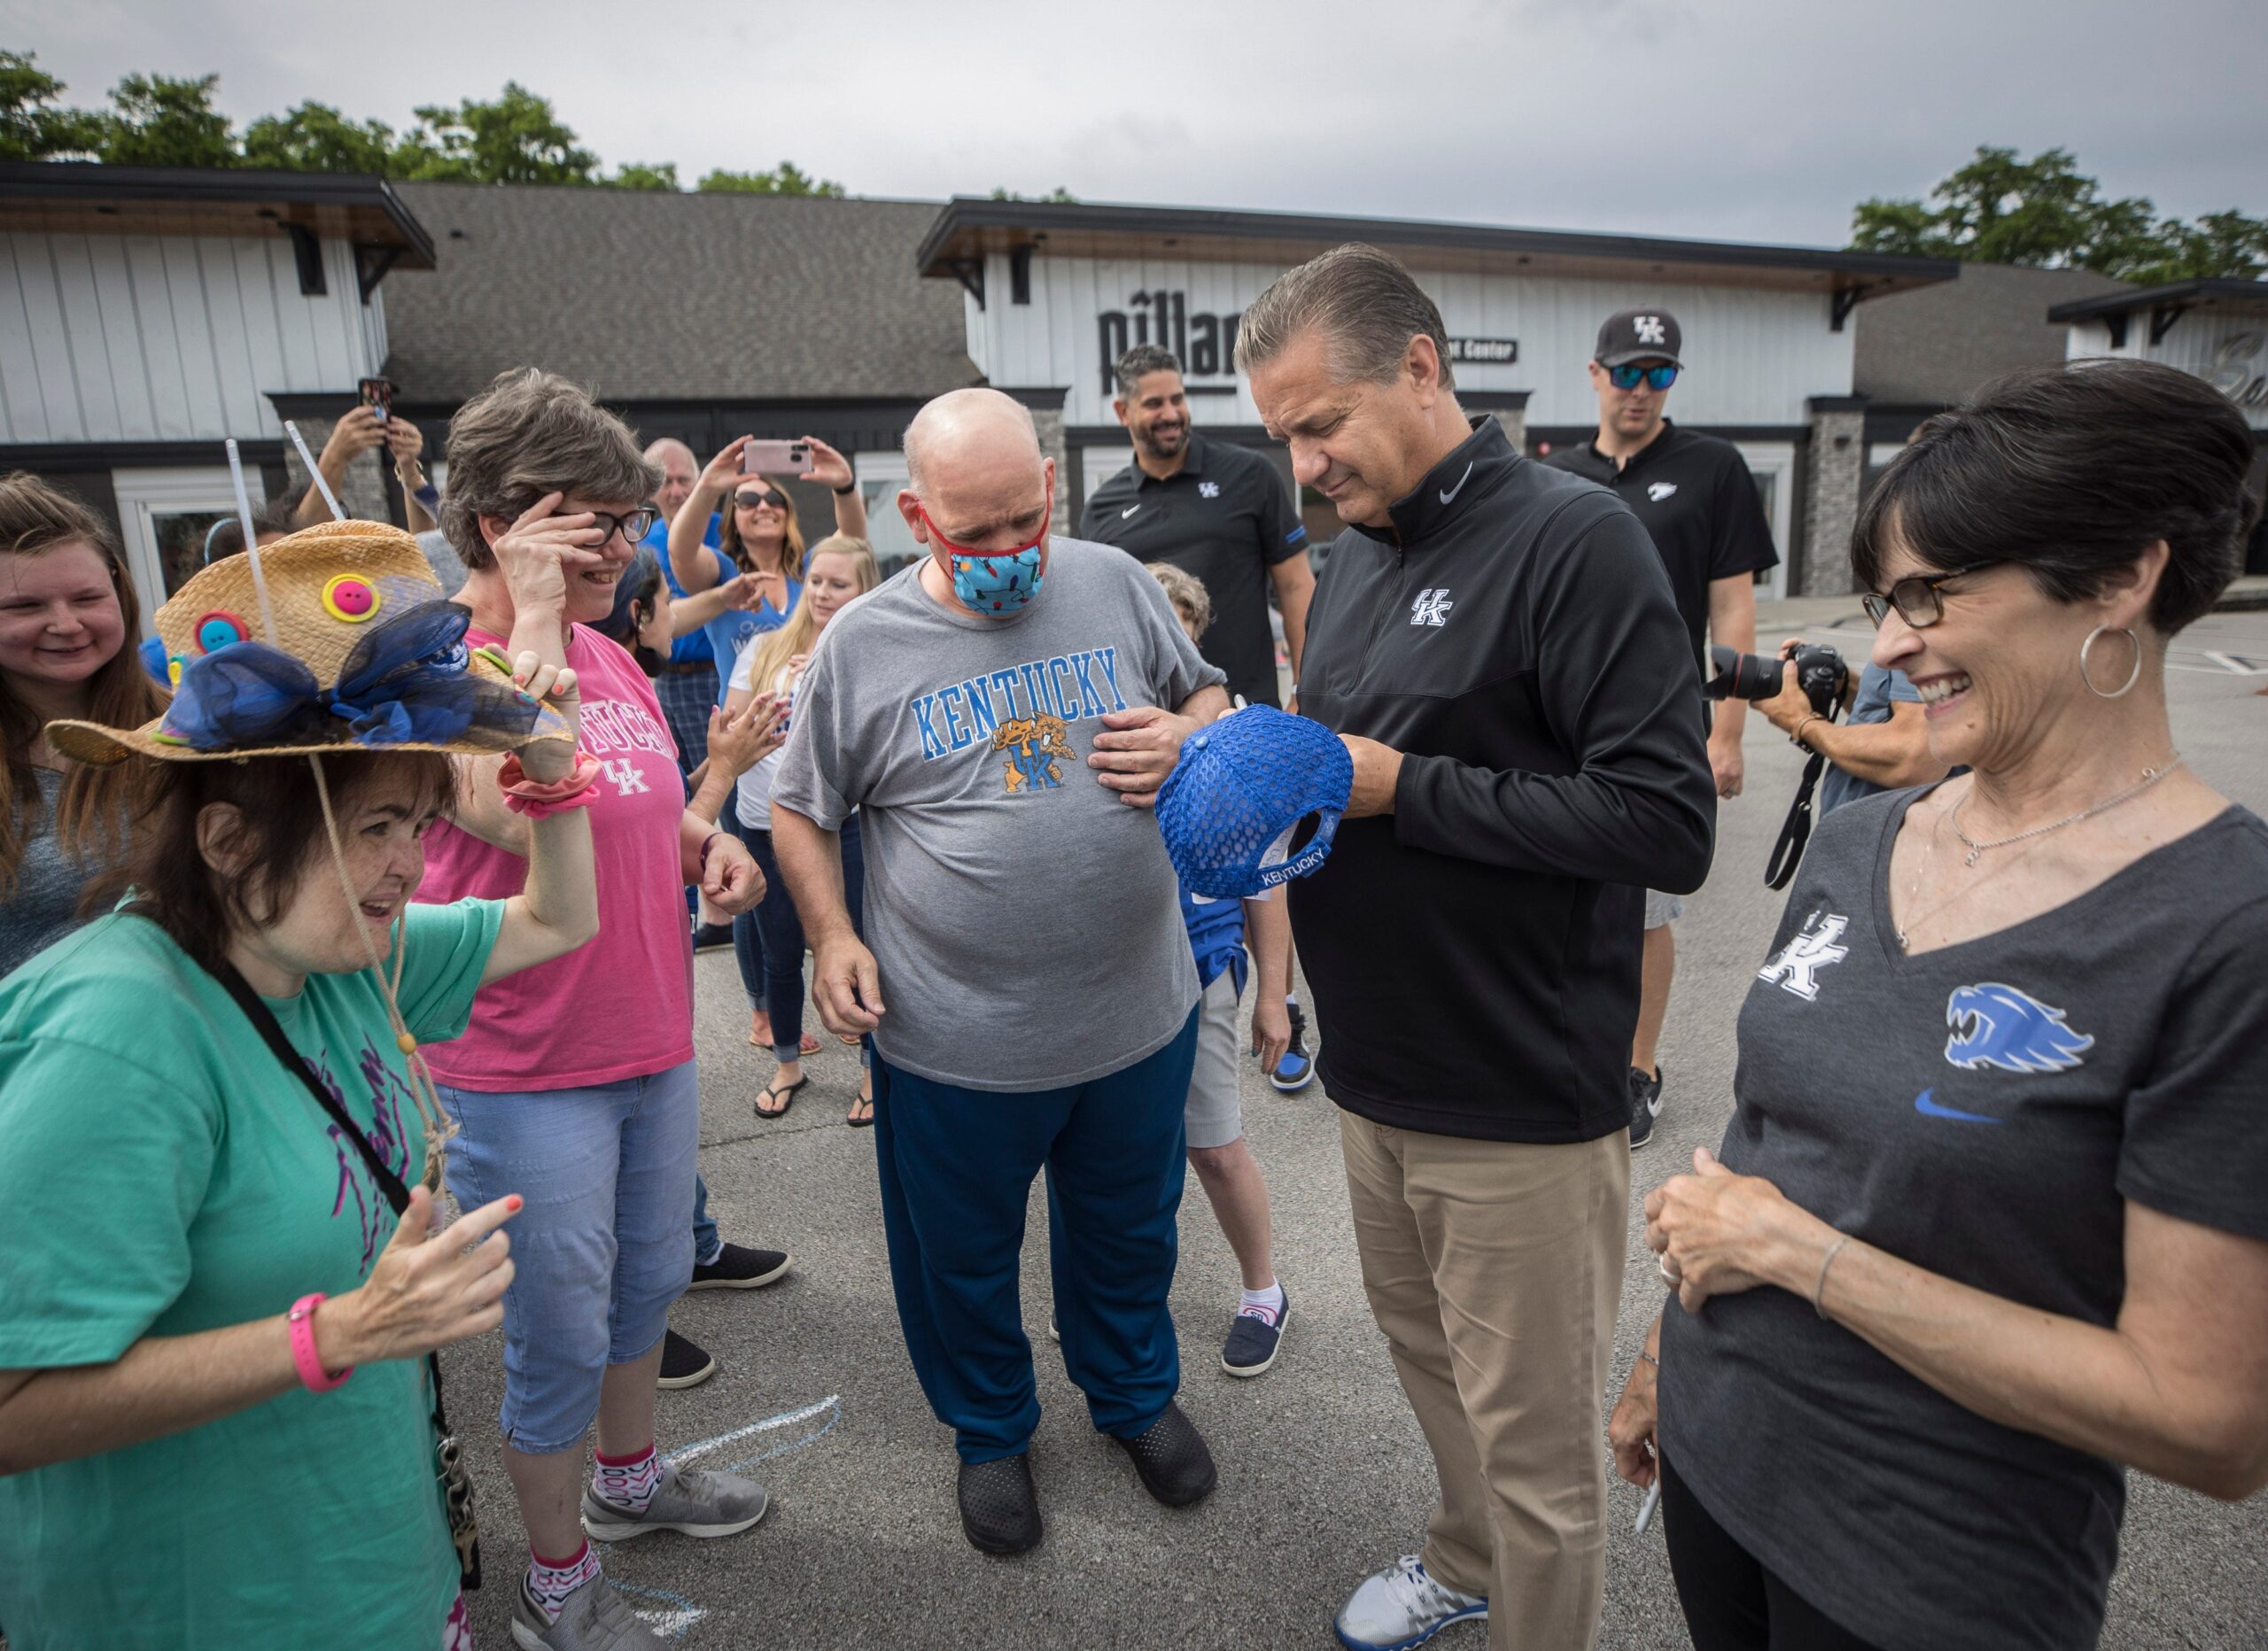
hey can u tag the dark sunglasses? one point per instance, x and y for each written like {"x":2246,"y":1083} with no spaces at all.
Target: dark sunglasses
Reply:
{"x":1627,"y":377}
{"x":1917,"y":600}
{"x":756,"y":500}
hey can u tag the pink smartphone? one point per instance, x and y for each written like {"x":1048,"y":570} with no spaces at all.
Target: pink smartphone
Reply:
{"x":792,"y":457}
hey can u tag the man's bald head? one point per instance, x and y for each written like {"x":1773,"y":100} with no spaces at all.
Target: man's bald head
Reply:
{"x":969,"y":427}
{"x":679,"y":469}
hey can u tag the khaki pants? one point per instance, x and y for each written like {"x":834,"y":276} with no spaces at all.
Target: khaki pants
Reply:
{"x":1494,"y":1268}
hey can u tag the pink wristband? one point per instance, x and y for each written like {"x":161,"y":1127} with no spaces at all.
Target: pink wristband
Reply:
{"x":313,"y":1376}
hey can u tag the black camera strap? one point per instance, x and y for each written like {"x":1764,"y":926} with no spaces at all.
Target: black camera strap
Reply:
{"x":464,"y":1532}
{"x":1788,"y":853}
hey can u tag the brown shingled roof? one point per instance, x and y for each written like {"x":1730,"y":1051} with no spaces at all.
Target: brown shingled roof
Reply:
{"x":650,"y":295}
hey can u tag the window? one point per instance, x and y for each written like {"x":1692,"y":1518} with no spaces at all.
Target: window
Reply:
{"x":880,"y":476}
{"x":166,"y":514}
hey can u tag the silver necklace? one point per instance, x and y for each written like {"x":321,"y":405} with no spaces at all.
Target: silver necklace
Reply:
{"x":2150,"y":777}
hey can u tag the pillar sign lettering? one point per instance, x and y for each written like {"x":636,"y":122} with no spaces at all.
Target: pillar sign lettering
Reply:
{"x":1206,"y":343}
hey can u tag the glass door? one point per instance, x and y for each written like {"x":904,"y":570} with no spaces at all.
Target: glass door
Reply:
{"x":166,"y":514}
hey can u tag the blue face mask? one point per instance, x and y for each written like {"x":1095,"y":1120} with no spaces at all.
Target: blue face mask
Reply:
{"x":998,"y":584}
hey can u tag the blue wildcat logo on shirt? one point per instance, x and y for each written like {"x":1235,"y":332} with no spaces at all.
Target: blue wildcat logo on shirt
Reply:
{"x":1997,"y":1025}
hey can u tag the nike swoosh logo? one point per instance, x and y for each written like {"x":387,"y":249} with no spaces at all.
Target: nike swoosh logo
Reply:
{"x":1449,"y":493}
{"x":1129,"y":511}
{"x":1926,"y":1105}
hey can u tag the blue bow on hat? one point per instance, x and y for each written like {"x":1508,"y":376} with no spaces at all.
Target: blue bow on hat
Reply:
{"x":408,"y":682}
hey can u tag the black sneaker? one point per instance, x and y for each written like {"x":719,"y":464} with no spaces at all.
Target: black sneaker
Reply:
{"x":1294,"y":1071}
{"x":999,"y":1510}
{"x":1646,"y":1105}
{"x":684,"y":1363}
{"x":739,"y":1267}
{"x":1171,"y":1457}
{"x":709,"y":936}
{"x":1254,"y":1336}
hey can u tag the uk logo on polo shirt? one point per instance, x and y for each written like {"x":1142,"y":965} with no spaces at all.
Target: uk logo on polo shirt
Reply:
{"x":1796,"y":969}
{"x":1208,"y":490}
{"x":1659,"y":491}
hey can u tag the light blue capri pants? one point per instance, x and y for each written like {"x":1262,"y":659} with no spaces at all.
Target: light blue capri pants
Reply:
{"x":603,"y":1245}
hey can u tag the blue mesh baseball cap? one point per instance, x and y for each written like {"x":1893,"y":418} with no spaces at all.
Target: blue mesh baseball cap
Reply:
{"x":1236,"y":799}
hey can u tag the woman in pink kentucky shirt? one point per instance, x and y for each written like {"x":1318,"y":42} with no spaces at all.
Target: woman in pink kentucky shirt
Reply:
{"x":547,"y":502}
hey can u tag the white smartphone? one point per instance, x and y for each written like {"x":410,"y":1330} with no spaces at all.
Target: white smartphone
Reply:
{"x":775,"y":457}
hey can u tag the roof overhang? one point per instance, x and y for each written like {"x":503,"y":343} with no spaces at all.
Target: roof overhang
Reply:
{"x":2228,"y":293}
{"x":969,"y":228}
{"x":85,"y":197}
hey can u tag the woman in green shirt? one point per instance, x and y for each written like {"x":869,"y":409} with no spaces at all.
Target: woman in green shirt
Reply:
{"x":196,"y":1249}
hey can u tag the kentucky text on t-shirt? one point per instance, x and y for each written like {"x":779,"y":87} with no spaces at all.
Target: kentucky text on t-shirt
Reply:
{"x":1069,"y":686}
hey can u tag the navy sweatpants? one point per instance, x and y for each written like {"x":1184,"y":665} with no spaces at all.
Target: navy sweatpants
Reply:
{"x":957,"y":1167}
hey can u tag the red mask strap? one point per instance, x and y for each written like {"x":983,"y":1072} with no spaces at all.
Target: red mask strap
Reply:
{"x":937,"y":536}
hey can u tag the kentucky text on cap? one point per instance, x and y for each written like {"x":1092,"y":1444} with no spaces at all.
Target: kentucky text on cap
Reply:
{"x":1230,"y":807}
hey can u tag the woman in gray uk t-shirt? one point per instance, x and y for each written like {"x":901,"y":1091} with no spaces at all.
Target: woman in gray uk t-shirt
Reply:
{"x":1990,"y":1224}
{"x":67,"y":621}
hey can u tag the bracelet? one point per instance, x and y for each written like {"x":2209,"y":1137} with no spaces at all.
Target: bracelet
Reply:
{"x":1833,"y":1250}
{"x":700,"y":860}
{"x":1797,"y":738}
{"x":844,"y":493}
{"x":1650,"y":1358}
{"x":302,"y":1319}
{"x":538,"y":799}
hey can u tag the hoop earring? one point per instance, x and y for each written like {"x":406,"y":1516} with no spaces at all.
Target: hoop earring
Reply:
{"x":2132,"y":676}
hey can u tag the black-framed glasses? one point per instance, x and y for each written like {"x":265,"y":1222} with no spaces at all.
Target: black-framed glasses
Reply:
{"x":1917,"y":599}
{"x":1627,"y":375}
{"x":754,"y":500}
{"x":633,"y":525}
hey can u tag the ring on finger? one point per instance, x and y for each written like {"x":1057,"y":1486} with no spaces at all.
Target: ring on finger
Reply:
{"x":1661,"y":1266}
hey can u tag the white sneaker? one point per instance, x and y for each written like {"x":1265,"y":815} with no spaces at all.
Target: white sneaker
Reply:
{"x":1402,"y":1607}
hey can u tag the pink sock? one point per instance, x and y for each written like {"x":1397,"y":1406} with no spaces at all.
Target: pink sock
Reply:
{"x":628,"y":1481}
{"x":551,"y":1581}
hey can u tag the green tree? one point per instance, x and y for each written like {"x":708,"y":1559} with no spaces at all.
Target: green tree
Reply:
{"x":160,"y":121}
{"x":1059,"y":196}
{"x":637,"y":174}
{"x":2044,"y":212}
{"x":517,"y":139}
{"x":31,"y":127}
{"x":787,"y":178}
{"x":315,"y":138}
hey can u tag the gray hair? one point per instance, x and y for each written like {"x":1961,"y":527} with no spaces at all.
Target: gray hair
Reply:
{"x":1367,"y":306}
{"x":1141,"y":360}
{"x":528,"y":434}
{"x":1187,"y":594}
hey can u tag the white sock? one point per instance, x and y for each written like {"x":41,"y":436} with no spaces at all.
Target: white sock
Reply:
{"x":549,"y":1585}
{"x":1291,"y":1000}
{"x":1265,"y":1304}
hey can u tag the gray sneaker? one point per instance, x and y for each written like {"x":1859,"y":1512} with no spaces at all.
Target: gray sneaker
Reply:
{"x":595,"y":1618}
{"x":697,"y":1503}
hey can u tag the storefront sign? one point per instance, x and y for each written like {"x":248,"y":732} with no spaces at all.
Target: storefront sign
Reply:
{"x":2236,"y":371}
{"x":1484,"y":351}
{"x":1206,"y":343}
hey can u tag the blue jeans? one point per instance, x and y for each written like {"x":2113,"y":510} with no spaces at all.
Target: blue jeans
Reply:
{"x":957,"y":1166}
{"x":708,"y":1243}
{"x":603,"y":1243}
{"x":782,"y":934}
{"x":748,"y":942}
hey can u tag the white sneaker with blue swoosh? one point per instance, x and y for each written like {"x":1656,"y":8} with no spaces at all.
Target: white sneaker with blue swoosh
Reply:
{"x":1402,"y":1607}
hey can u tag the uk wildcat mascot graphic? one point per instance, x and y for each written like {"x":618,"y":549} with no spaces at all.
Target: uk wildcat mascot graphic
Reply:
{"x":1993,"y":1024}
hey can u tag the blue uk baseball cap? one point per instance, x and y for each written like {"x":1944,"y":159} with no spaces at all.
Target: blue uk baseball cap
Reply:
{"x":1234,"y":803}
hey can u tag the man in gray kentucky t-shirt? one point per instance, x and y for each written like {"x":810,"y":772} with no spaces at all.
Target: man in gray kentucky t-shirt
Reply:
{"x":1000,"y":714}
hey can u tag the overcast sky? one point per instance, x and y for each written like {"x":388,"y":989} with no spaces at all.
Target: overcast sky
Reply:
{"x":1748,"y":119}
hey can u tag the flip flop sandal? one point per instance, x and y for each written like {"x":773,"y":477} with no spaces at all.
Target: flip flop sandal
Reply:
{"x":868,"y":1122}
{"x":785,"y":1096}
{"x":809,"y":1045}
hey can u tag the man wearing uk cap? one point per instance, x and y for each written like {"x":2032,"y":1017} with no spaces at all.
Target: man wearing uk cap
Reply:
{"x":991,"y":712}
{"x":1698,"y":503}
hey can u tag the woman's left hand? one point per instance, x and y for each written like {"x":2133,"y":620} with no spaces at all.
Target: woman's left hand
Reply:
{"x":730,"y":881}
{"x":828,"y":467}
{"x":1718,"y":1234}
{"x":738,"y":740}
{"x":550,"y":758}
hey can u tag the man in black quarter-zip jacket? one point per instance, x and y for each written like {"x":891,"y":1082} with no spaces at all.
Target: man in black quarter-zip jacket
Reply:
{"x":1496,"y":643}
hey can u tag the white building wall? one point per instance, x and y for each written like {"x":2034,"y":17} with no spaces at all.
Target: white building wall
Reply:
{"x":171,"y":337}
{"x":2227,"y":349}
{"x":1752,"y":356}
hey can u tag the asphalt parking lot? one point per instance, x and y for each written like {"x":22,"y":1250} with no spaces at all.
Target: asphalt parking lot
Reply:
{"x":1324,"y":1477}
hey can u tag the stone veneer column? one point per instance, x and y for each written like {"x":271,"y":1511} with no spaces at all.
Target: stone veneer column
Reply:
{"x":1834,"y":467}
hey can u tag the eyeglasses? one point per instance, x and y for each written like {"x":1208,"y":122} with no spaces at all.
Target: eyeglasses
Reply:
{"x":1627,"y":377}
{"x":1917,"y":599}
{"x":633,"y":526}
{"x":758,"y":500}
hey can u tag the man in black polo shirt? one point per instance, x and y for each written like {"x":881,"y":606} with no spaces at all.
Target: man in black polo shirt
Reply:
{"x":1222,"y":514}
{"x":1488,"y":643}
{"x":1216,"y":511}
{"x":1698,"y":503}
